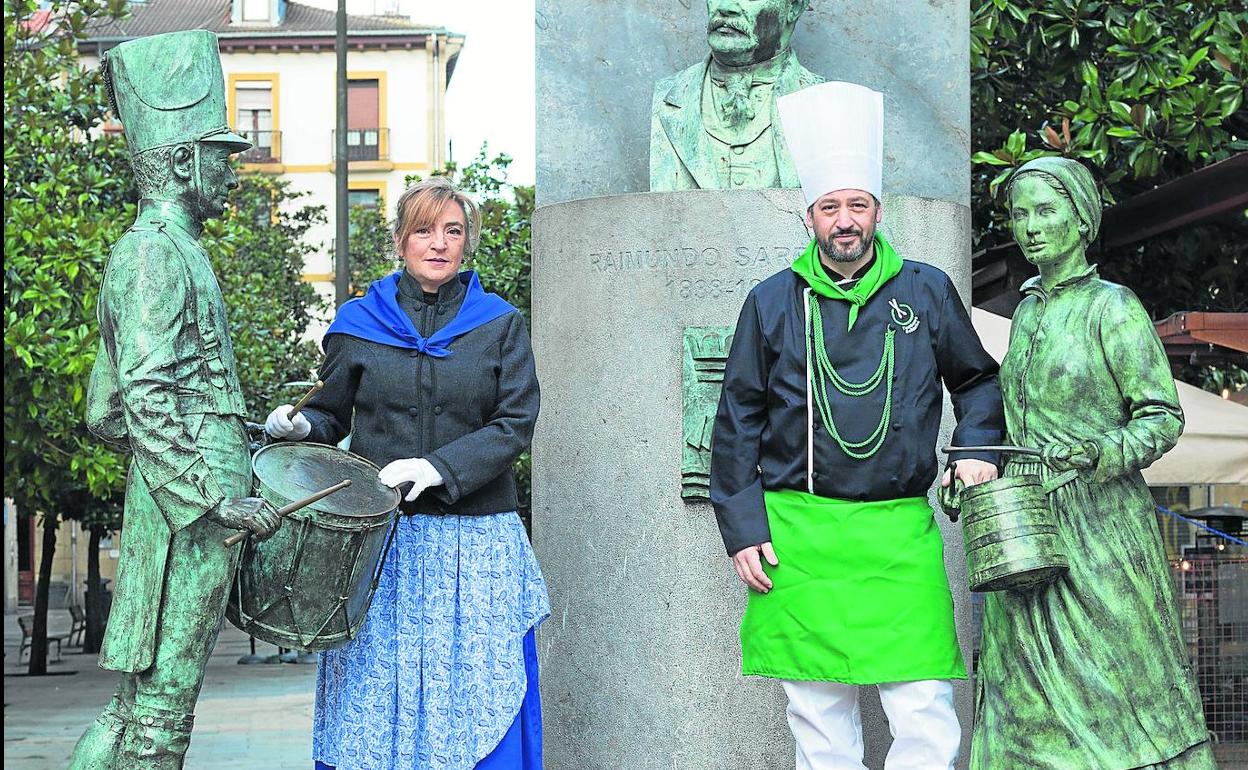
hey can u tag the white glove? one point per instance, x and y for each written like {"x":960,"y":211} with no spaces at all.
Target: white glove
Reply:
{"x":417,"y":470}
{"x":278,"y":425}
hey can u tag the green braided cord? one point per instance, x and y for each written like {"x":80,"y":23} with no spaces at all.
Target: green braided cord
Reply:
{"x":852,"y":389}
{"x":817,"y":361}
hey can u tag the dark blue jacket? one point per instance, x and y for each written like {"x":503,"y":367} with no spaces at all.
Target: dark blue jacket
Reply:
{"x":760,"y":436}
{"x":470,"y":414}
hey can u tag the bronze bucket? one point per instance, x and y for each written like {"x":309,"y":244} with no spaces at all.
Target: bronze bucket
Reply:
{"x":1009,"y":530}
{"x":309,"y":586}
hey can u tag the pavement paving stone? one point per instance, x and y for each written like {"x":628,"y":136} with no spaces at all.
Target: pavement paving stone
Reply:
{"x":256,"y":717}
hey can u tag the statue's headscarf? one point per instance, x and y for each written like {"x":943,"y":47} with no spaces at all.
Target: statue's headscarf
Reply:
{"x":1078,"y":183}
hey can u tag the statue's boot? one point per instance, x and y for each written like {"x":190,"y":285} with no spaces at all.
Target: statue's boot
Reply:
{"x":99,"y":748}
{"x":157,"y":739}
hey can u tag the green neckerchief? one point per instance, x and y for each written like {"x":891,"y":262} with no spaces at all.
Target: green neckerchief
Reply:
{"x":811,"y":270}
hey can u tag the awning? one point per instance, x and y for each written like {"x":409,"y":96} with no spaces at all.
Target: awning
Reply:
{"x":1208,"y":192}
{"x":1214,"y":445}
{"x":1190,"y":330}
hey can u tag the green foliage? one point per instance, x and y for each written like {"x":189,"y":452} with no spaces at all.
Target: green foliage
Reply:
{"x":504,"y":258}
{"x":1218,"y":379}
{"x":1194,"y":268}
{"x":258,"y":252}
{"x":1143,"y":91}
{"x":65,"y":203}
{"x":371,"y":248}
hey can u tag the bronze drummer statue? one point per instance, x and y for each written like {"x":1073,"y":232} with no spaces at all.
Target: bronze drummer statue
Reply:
{"x":1090,"y":670}
{"x":165,"y":387}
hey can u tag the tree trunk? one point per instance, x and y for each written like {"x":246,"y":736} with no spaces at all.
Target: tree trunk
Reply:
{"x":39,"y":634}
{"x":97,"y":609}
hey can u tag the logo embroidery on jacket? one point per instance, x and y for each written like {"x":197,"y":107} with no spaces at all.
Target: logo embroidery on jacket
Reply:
{"x":904,"y":316}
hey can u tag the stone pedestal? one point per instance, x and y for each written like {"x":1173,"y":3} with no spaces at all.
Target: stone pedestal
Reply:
{"x":640,"y":659}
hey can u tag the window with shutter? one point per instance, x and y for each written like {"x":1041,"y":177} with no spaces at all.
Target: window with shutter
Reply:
{"x":253,"y":100}
{"x":363,"y":123}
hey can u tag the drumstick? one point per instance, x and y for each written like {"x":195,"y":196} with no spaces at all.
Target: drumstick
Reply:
{"x":303,"y":401}
{"x":290,"y":508}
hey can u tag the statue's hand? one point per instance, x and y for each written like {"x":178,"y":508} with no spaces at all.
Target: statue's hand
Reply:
{"x":1065,"y":457}
{"x":250,"y":514}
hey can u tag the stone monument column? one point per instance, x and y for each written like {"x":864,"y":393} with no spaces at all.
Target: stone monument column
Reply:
{"x":640,"y":659}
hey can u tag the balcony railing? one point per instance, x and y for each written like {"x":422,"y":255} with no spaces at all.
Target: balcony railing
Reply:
{"x":364,"y":143}
{"x":266,"y":146}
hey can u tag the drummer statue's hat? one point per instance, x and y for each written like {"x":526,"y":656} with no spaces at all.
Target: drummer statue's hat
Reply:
{"x":169,"y":89}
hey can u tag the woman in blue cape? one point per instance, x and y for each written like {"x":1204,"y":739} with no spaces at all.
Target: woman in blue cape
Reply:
{"x":433,"y":378}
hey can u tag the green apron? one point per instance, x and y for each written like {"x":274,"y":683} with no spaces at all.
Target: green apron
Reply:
{"x":860,"y":595}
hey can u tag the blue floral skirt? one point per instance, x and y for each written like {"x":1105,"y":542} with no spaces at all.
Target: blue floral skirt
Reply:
{"x":443,"y":675}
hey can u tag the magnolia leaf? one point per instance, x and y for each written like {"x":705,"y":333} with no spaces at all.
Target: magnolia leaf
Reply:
{"x":989,"y":158}
{"x":1016,"y":144}
{"x":1197,"y":57}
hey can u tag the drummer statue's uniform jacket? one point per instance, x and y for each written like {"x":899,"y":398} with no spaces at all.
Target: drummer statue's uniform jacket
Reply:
{"x":860,"y":595}
{"x":165,"y":387}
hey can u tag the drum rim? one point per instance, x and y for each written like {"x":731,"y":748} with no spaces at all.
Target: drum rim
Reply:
{"x":349,"y":453}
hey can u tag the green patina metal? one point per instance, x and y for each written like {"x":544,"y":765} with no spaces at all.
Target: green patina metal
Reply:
{"x":714,"y":125}
{"x":1090,"y":670}
{"x":705,"y":354}
{"x":1011,"y":539}
{"x":309,"y":586}
{"x":169,"y":89}
{"x":165,"y":387}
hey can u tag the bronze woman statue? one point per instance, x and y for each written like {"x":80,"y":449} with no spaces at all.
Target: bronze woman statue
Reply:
{"x":1090,"y":671}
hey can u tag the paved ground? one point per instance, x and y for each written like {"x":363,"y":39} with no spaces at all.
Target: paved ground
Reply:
{"x":256,"y":717}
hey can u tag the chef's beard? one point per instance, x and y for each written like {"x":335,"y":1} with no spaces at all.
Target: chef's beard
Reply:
{"x":832,"y":251}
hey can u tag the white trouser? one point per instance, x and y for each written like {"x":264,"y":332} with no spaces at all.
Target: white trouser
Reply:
{"x":827,"y":725}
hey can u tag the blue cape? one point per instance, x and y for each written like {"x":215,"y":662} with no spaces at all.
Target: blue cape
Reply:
{"x":377,"y":316}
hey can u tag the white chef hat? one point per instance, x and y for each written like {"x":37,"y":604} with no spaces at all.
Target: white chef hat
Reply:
{"x":835,"y":135}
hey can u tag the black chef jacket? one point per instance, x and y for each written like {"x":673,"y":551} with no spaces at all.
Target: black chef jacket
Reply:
{"x":760,"y":436}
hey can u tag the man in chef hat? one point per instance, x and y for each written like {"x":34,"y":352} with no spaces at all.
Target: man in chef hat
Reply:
{"x":824,"y":450}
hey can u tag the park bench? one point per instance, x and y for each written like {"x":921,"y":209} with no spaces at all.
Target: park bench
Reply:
{"x":26,"y":621}
{"x":78,"y":624}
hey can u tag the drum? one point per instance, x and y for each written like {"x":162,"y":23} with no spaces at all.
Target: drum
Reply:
{"x":308,"y":587}
{"x":1011,"y":536}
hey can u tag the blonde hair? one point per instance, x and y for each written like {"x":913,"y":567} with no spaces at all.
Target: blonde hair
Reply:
{"x":420,"y":205}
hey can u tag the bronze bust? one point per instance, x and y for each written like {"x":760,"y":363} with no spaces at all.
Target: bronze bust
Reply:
{"x":714,"y":125}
